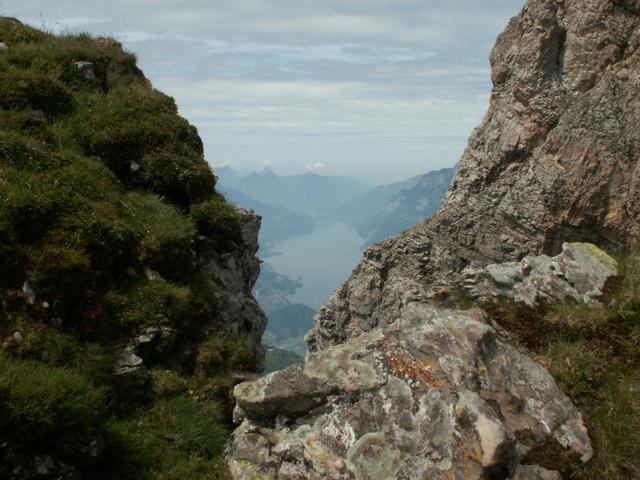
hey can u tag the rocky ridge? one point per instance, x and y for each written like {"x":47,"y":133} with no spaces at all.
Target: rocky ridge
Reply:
{"x":554,"y":160}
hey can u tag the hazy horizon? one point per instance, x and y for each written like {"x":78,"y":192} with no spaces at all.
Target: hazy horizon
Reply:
{"x":376,"y":90}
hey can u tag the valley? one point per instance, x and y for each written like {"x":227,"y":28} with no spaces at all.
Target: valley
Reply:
{"x":307,"y":253}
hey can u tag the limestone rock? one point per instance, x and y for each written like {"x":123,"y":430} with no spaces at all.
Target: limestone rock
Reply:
{"x":555,"y":160}
{"x":580,"y":272}
{"x":130,"y":374}
{"x":429,"y":393}
{"x":433,"y":395}
{"x":233,"y":274}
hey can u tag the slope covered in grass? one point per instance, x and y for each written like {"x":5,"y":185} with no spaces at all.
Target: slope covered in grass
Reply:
{"x":104,"y":191}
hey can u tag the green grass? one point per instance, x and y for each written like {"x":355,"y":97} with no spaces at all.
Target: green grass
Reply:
{"x":178,"y":438}
{"x":219,"y":353}
{"x":37,"y":399}
{"x":594,"y":354}
{"x":102,"y":183}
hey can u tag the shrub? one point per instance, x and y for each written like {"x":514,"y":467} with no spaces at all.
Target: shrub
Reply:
{"x":137,"y":133}
{"x":164,"y":234}
{"x":140,"y":304}
{"x":13,"y":32}
{"x":61,"y":349}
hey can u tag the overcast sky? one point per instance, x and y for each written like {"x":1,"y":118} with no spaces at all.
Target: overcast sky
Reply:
{"x":378,"y":89}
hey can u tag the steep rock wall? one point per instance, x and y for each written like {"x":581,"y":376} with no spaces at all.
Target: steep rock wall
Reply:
{"x":555,"y":159}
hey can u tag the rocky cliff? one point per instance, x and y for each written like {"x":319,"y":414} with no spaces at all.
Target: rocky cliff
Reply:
{"x":398,"y":386}
{"x":555,"y":159}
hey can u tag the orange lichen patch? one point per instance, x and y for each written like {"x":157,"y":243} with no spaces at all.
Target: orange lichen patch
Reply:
{"x":403,"y":365}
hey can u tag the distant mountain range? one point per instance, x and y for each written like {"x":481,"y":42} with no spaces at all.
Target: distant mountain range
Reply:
{"x":308,"y":193}
{"x":278,"y":223}
{"x":390,"y":209}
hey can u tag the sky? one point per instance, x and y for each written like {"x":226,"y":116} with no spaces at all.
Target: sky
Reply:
{"x":376,"y":89}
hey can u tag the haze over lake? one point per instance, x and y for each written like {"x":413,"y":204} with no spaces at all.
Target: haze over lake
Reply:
{"x":324,"y":259}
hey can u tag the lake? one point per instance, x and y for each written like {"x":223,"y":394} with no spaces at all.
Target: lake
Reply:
{"x":324,"y":259}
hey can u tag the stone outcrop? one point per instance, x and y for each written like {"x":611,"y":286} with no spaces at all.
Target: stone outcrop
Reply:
{"x":233,"y":275}
{"x":434,"y":395}
{"x":581,"y":272}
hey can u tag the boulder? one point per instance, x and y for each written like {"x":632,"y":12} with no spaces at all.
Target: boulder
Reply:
{"x":581,"y":272}
{"x":434,"y":395}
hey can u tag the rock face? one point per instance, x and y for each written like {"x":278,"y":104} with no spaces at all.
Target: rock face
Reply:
{"x":434,"y":395}
{"x":554,"y":160}
{"x":395,"y":387}
{"x":580,"y":272}
{"x":233,"y":274}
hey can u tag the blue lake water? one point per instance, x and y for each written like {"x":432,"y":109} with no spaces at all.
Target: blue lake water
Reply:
{"x":324,"y":259}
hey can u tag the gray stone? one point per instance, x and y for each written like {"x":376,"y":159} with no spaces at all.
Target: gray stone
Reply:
{"x":3,"y":46}
{"x":88,"y":69}
{"x":433,"y":395}
{"x":424,"y":392}
{"x":29,"y":293}
{"x":580,"y":272}
{"x":156,"y":341}
{"x":553,"y":161}
{"x":151,"y":274}
{"x":233,"y":275}
{"x":130,"y":374}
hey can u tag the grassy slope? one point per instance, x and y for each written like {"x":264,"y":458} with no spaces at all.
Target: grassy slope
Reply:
{"x":101,"y":179}
{"x":594,"y":354}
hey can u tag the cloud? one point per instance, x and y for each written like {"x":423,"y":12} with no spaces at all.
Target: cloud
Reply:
{"x":391,"y":86}
{"x":315,"y":166}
